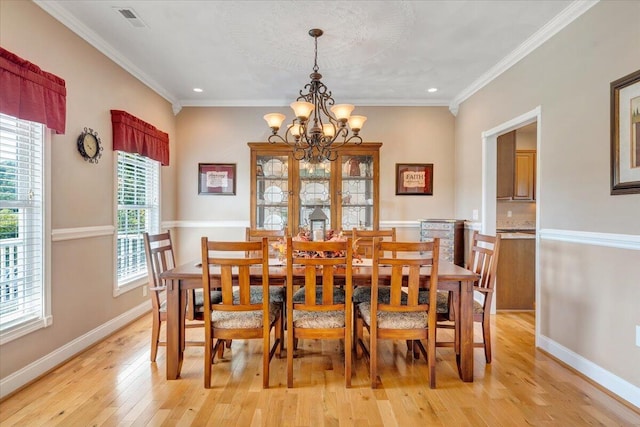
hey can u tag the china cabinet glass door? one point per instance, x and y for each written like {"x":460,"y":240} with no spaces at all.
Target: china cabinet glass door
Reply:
{"x":357,"y":192}
{"x":285,"y":192}
{"x":272,"y":192}
{"x":315,"y":190}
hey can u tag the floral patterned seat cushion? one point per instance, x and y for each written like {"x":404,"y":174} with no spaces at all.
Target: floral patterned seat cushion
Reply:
{"x":338,"y":296}
{"x":216,"y":297}
{"x":394,"y":320}
{"x":477,"y":307}
{"x":363,"y":294}
{"x":318,"y":319}
{"x":276,"y":294}
{"x":241,"y":319}
{"x":442,"y":305}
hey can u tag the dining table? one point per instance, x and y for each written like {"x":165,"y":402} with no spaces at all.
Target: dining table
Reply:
{"x":188,"y":276}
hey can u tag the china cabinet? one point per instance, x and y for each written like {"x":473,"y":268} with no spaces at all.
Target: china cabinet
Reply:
{"x":285,"y":191}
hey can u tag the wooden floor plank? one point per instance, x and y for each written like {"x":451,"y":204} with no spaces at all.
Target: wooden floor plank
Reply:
{"x":115,"y":384}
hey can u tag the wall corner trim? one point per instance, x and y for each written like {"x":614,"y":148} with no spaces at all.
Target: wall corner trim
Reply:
{"x":24,"y":376}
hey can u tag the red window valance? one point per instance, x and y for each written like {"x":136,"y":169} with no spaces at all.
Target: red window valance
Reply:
{"x":133,"y":135}
{"x":28,"y":93}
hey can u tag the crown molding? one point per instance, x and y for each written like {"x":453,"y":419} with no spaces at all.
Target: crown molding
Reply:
{"x":53,"y":8}
{"x":285,"y":103}
{"x":550,"y":29}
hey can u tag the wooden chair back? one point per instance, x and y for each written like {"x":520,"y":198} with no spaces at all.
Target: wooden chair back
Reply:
{"x":483,"y":260}
{"x":160,"y":258}
{"x":235,"y":269}
{"x":327,"y":270}
{"x":255,"y":234}
{"x":363,"y":239}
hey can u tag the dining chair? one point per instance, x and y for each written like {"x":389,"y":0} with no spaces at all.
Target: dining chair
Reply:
{"x":321,"y":309}
{"x":363,"y":240}
{"x":160,"y":257}
{"x":238,"y":318}
{"x":256,"y":234}
{"x":403,"y":316}
{"x":483,"y":260}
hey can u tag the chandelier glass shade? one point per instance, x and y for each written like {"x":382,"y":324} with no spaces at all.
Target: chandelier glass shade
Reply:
{"x":320,"y":126}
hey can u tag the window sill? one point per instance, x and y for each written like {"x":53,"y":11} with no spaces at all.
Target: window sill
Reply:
{"x":130,"y":285}
{"x":25,"y":328}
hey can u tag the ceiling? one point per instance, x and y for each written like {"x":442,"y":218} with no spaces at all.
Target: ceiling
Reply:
{"x":259,"y":53}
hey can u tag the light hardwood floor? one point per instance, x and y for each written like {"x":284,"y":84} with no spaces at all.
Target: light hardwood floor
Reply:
{"x":114,"y":383}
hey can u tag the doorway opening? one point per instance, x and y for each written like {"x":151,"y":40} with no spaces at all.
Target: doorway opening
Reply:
{"x":490,"y":180}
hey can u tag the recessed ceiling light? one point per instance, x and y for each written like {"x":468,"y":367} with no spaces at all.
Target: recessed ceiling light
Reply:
{"x":197,"y":89}
{"x":432,"y":89}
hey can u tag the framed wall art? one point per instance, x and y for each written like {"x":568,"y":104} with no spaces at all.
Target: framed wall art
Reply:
{"x":217,"y":179}
{"x":625,"y":134}
{"x":414,"y":179}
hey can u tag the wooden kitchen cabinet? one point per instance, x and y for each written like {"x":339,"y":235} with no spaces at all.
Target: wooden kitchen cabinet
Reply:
{"x":506,"y":156}
{"x":515,"y":278}
{"x":516,"y":169}
{"x":525,"y":175}
{"x":285,"y":191}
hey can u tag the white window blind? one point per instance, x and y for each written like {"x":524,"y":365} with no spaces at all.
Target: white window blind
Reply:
{"x":138,"y":211}
{"x":22,"y":299}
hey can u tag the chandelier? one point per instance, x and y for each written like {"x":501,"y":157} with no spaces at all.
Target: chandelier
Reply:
{"x":319,"y":127}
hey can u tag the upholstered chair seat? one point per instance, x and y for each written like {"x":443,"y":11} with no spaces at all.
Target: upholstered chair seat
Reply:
{"x":395,"y":320}
{"x":242,"y":320}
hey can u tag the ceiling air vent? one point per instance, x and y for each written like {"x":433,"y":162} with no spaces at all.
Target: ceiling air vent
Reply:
{"x":131,"y":16}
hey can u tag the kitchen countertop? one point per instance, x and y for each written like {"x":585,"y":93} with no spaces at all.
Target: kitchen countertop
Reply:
{"x":517,"y":235}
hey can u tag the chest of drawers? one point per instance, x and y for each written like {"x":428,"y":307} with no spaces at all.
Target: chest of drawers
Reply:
{"x":451,"y":234}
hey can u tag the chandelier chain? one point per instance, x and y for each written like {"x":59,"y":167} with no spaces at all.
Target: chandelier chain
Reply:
{"x":315,"y":59}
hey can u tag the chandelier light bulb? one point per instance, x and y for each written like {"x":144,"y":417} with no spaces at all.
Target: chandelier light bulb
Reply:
{"x":356,"y":123}
{"x":328,"y":130}
{"x":274,"y":120}
{"x":342,"y":111}
{"x":302,"y":110}
{"x":294,"y":129}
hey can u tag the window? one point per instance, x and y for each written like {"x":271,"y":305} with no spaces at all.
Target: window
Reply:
{"x":138,"y":211}
{"x":23,"y":295}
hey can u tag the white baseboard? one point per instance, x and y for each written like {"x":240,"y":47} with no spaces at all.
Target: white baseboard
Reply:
{"x":606,"y":379}
{"x":43,"y":365}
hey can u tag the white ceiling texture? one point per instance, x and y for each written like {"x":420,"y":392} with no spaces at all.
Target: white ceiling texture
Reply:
{"x":259,"y":53}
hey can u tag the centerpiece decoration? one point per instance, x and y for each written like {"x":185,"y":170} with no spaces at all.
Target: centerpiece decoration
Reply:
{"x":306,"y":236}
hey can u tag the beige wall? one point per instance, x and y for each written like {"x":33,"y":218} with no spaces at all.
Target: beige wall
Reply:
{"x":408,"y":135}
{"x":589,"y":294}
{"x":82,"y":194}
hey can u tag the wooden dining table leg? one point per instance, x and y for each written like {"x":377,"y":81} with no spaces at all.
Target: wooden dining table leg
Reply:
{"x":176,"y":310}
{"x":464,"y":329}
